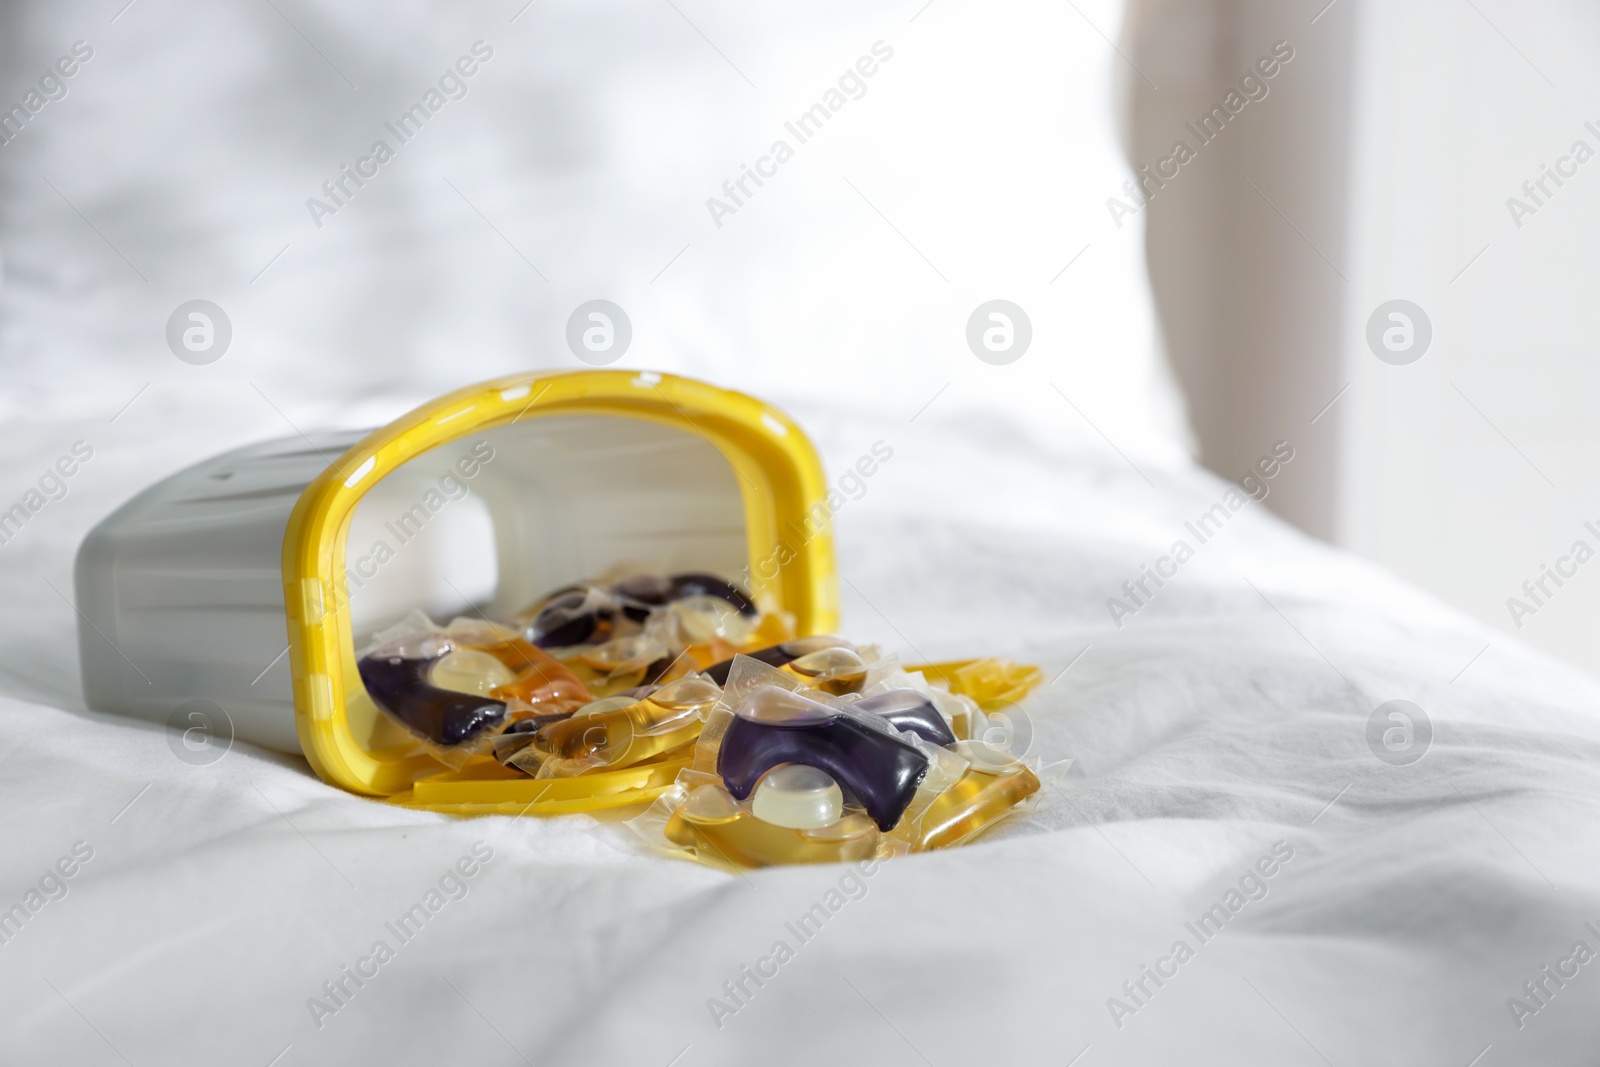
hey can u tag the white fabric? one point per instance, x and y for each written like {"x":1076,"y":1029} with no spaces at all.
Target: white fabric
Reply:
{"x":1218,"y":721}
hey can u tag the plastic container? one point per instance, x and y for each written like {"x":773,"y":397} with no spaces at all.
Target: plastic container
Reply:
{"x":251,"y":579}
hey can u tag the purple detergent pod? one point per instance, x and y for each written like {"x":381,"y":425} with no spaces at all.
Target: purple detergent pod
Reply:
{"x":773,"y":726}
{"x":642,"y":593}
{"x":580,"y":617}
{"x":399,"y":684}
{"x":684,"y":586}
{"x":778,"y":655}
{"x":909,"y":710}
{"x":533,"y":723}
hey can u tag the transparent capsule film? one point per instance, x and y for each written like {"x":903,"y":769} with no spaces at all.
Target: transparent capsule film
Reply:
{"x":622,"y":663}
{"x":699,"y":819}
{"x":993,"y":682}
{"x":651,"y":824}
{"x":1003,"y":732}
{"x":995,"y":789}
{"x":621,"y":654}
{"x":945,"y":768}
{"x":454,"y":756}
{"x":959,"y":711}
{"x":481,"y":633}
{"x":835,"y":671}
{"x":590,"y":739}
{"x":578,"y":617}
{"x":414,"y":636}
{"x":479,"y":745}
{"x":620,"y":731}
{"x":701,"y":620}
{"x":517,"y":736}
{"x":540,"y":684}
{"x":843,"y":671}
{"x":880,"y":664}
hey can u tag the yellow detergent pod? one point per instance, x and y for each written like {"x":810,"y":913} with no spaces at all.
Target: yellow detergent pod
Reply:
{"x":993,"y":683}
{"x":716,"y":827}
{"x":239,"y":590}
{"x":987,"y":792}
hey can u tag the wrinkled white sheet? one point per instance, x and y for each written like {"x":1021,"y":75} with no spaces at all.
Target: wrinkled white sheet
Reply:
{"x":1227,"y":716}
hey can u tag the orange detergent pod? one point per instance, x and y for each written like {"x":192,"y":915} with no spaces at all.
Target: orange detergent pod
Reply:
{"x":542,"y":680}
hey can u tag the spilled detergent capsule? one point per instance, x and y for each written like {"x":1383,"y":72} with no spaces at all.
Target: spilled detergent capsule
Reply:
{"x":798,"y":797}
{"x":707,"y":618}
{"x":620,"y":731}
{"x":992,"y":683}
{"x":587,"y":732}
{"x":907,"y":709}
{"x":402,"y":686}
{"x":715,"y":825}
{"x":773,"y":726}
{"x":621,"y":680}
{"x":780,"y":654}
{"x":704,"y":654}
{"x":624,"y":653}
{"x":697,"y":693}
{"x":642,"y":593}
{"x":579,"y":617}
{"x":521,"y":733}
{"x":836,"y":671}
{"x":420,"y":677}
{"x":772,"y":706}
{"x":622,"y":663}
{"x":709,"y":585}
{"x":990,"y":789}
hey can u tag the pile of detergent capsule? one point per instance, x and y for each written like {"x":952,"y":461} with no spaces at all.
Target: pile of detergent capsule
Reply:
{"x":791,"y":749}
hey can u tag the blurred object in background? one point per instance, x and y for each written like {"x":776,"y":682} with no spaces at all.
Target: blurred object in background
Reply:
{"x":1247,"y":240}
{"x":1467,"y":471}
{"x":1429,"y":153}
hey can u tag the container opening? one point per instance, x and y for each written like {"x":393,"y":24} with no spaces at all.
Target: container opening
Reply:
{"x":420,"y":539}
{"x":492,"y":521}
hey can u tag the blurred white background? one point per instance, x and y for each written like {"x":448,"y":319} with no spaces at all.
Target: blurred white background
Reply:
{"x":1379,"y":168}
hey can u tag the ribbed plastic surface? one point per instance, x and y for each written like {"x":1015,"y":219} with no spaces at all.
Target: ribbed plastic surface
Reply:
{"x":181,"y":590}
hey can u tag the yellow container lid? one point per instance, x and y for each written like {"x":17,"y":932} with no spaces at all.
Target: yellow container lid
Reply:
{"x":787,"y":546}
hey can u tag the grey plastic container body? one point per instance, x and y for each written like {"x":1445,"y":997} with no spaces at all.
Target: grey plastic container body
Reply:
{"x":180,"y":591}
